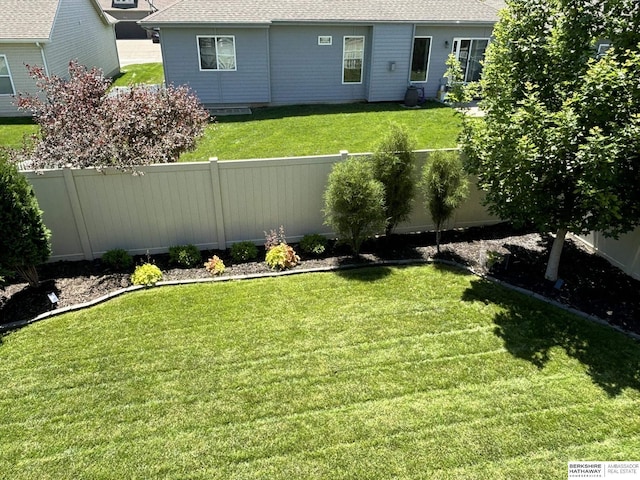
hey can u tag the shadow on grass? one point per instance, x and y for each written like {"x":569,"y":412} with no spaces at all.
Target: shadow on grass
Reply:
{"x":531,"y":330}
{"x":369,"y":274}
{"x":275,"y":113}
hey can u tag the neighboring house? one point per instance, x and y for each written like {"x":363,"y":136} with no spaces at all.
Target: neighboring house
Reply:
{"x":50,"y":33}
{"x":129,"y":12}
{"x":274,"y":52}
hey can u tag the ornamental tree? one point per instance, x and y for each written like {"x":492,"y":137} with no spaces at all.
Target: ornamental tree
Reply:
{"x":393,"y":164}
{"x":354,"y":202}
{"x":24,"y":242}
{"x":559,"y":146}
{"x":84,"y":124}
{"x":445,"y":187}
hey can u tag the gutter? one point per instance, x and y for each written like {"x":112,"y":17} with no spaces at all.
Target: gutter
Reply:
{"x":25,"y":40}
{"x":200,"y":24}
{"x":44,"y":58}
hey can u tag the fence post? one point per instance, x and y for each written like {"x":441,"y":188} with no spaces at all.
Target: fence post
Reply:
{"x":76,"y":208}
{"x":216,"y":190}
{"x":344,"y":155}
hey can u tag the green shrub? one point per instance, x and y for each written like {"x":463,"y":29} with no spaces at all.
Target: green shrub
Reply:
{"x":187,"y":256}
{"x":354,"y":202}
{"x":215,"y":266}
{"x":393,"y":165}
{"x":117,"y":259}
{"x":281,"y":256}
{"x":244,"y":252}
{"x":314,"y":244}
{"x":146,"y":274}
{"x":445,"y":186}
{"x":24,"y":241}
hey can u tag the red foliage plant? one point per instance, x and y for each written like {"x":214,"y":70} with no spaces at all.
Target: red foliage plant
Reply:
{"x":84,"y":124}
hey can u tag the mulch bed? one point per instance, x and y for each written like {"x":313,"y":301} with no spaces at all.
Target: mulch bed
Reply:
{"x":589,"y":283}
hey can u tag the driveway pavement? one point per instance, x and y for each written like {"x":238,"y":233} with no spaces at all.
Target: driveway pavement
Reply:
{"x":138,"y":51}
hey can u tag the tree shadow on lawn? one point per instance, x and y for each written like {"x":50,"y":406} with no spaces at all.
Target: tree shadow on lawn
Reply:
{"x":531,"y":329}
{"x":361,"y":274}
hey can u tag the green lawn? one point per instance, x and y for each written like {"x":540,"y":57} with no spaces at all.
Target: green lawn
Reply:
{"x":292,"y":130}
{"x":322,"y":129}
{"x":419,"y":372}
{"x":13,"y":130}
{"x":151,"y":73}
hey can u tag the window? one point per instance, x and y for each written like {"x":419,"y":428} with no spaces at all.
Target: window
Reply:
{"x":6,"y":83}
{"x":352,"y":59}
{"x":117,"y":3}
{"x":325,"y":40}
{"x":470,"y":52}
{"x":602,"y":49}
{"x":420,"y":59}
{"x":217,"y":53}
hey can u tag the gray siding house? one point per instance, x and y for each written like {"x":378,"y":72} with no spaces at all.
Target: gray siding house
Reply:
{"x":50,"y":33}
{"x":129,"y":12}
{"x":276,"y":52}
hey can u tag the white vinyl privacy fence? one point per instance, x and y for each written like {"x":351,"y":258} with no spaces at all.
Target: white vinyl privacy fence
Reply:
{"x":209,"y":204}
{"x":214,"y":204}
{"x":623,"y":253}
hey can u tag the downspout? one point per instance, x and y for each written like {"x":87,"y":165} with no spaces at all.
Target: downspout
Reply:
{"x":44,"y":59}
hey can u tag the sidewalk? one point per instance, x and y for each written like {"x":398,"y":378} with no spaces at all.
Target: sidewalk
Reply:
{"x":138,"y":51}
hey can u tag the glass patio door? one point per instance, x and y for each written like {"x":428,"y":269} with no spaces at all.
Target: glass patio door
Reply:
{"x":470,"y":52}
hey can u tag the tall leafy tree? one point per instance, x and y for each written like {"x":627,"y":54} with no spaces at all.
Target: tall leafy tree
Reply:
{"x":559,"y":146}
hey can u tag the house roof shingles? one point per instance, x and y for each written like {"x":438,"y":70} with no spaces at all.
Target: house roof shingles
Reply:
{"x":27,"y":19}
{"x":143,"y":6}
{"x":306,"y":11}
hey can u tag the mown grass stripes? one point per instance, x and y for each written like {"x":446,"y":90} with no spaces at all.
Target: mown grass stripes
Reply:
{"x":417,"y":372}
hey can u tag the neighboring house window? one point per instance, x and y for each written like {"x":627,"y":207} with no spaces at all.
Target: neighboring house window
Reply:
{"x":120,"y":3}
{"x":352,"y":59}
{"x":470,"y":52}
{"x":602,"y":49}
{"x":217,"y":53}
{"x":6,"y":83}
{"x":420,"y":59}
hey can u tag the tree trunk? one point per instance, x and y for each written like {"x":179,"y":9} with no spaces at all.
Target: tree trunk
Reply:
{"x":438,"y":240}
{"x":554,"y":257}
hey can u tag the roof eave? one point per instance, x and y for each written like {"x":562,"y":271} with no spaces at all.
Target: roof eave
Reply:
{"x":200,"y":24}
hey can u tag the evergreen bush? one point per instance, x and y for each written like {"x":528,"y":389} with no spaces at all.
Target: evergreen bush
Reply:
{"x":187,"y":256}
{"x":244,"y":251}
{"x":354,"y":202}
{"x":314,"y":244}
{"x":24,"y":241}
{"x":393,"y":165}
{"x":117,"y":259}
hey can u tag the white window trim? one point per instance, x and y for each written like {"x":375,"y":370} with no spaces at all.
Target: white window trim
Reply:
{"x":235,"y":57}
{"x":602,"y":49}
{"x":426,"y":74}
{"x":459,"y":39}
{"x":13,"y":87}
{"x":344,"y":44}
